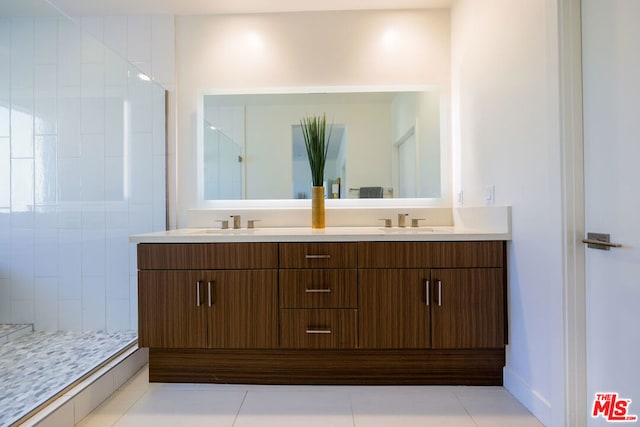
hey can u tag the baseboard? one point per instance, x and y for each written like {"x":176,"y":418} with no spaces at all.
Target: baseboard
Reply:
{"x":531,"y":399}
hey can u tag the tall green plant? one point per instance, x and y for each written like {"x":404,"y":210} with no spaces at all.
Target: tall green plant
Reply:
{"x":313,"y":131}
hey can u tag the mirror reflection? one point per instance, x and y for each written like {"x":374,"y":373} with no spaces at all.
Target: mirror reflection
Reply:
{"x":384,"y":145}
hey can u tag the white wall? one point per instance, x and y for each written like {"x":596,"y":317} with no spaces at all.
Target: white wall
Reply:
{"x":300,"y":50}
{"x":506,"y":133}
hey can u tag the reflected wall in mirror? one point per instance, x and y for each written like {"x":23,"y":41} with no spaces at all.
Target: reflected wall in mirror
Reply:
{"x":385,"y":144}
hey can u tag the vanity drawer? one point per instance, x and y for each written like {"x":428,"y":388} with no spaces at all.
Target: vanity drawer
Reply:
{"x":207,"y":256}
{"x":318,"y":255}
{"x":321,"y":288}
{"x":430,"y":254}
{"x":319,"y":328}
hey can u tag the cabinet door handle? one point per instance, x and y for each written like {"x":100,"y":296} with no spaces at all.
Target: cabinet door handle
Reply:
{"x":210,"y":293}
{"x":198,"y":300}
{"x":318,"y":331}
{"x":318,"y":291}
{"x":426,"y":293}
{"x":439,"y":292}
{"x":317,"y":256}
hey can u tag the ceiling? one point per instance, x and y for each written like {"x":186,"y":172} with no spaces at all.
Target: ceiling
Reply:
{"x":202,"y":7}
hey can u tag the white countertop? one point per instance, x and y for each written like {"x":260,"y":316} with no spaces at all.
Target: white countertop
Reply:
{"x":329,"y":234}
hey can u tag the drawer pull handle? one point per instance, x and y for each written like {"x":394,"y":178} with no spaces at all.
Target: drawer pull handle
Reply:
{"x":439,"y":292}
{"x":317,"y":256}
{"x":318,"y":291}
{"x":210,"y":296}
{"x":318,"y":331}
{"x":198,"y":300}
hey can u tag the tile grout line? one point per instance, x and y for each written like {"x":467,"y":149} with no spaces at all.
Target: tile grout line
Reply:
{"x":465,"y":408}
{"x":235,"y":419}
{"x":353,"y":416}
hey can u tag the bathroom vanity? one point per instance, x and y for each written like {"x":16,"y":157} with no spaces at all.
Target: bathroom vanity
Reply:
{"x":351,"y":305}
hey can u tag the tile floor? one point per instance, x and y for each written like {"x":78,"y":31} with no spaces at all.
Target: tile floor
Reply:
{"x":37,"y":366}
{"x":139,"y":403}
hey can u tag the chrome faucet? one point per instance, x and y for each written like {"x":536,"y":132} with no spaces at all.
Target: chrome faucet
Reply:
{"x":401,"y":219}
{"x":236,"y":221}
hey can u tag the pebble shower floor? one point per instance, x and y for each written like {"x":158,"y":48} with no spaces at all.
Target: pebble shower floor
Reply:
{"x":37,"y":366}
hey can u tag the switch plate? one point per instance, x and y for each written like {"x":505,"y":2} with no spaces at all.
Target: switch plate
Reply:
{"x":490,"y":194}
{"x":460,"y":197}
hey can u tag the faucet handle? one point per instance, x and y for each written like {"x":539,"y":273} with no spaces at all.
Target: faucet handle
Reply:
{"x":387,"y":222}
{"x":252,"y":223}
{"x":415,"y":222}
{"x":224,"y":224}
{"x":236,"y":221}
{"x":401,"y":219}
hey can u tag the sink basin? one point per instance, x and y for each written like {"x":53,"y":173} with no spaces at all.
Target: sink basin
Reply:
{"x":223,"y":231}
{"x":409,"y":230}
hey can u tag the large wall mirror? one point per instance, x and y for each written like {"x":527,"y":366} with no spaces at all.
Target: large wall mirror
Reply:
{"x":385,"y":144}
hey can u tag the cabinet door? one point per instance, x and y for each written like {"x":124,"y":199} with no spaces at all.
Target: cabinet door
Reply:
{"x":171,"y":313}
{"x":394,"y":308}
{"x":467,"y":308}
{"x":243,"y":309}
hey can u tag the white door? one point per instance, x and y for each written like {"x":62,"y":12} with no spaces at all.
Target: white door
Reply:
{"x":611,"y":80}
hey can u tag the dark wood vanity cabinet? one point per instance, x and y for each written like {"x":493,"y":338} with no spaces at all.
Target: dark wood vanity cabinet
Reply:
{"x":318,"y":296}
{"x":406,"y":304}
{"x":228,"y":305}
{"x":324,"y":312}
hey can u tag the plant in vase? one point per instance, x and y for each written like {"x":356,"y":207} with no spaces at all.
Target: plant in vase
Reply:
{"x":316,"y":141}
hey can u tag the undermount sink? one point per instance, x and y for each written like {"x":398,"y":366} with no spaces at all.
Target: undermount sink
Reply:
{"x":410,"y":230}
{"x":223,"y":231}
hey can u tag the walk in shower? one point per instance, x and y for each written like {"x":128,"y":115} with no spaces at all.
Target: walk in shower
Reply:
{"x":82,"y":167}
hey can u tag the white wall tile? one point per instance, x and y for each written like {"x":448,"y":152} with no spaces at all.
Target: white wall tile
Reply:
{"x":93,"y":303}
{"x":93,"y":252}
{"x":22,"y":50}
{"x":5,"y":299}
{"x":133,"y":300}
{"x":22,"y":185}
{"x":70,"y":263}
{"x":115,"y":34}
{"x":118,"y":314}
{"x":117,"y":264}
{"x":163,"y":49}
{"x":116,"y":70}
{"x":46,"y":217}
{"x":94,"y":26}
{"x":159,"y":122}
{"x":46,"y":253}
{"x":5,"y":172}
{"x":70,"y":316}
{"x":46,"y":303}
{"x":46,"y":169}
{"x":92,"y":115}
{"x":140,"y":98}
{"x":93,"y":79}
{"x":92,"y":168}
{"x":69,"y":126}
{"x":22,"y":311}
{"x":115,"y":126}
{"x":139,"y":38}
{"x":69,"y":185}
{"x":46,"y":114}
{"x":117,"y":214}
{"x":46,"y":40}
{"x":21,"y":125}
{"x":69,"y":53}
{"x":140,"y":168}
{"x":114,"y":178}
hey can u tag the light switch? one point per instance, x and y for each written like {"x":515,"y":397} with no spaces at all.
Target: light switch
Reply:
{"x":490,"y":194}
